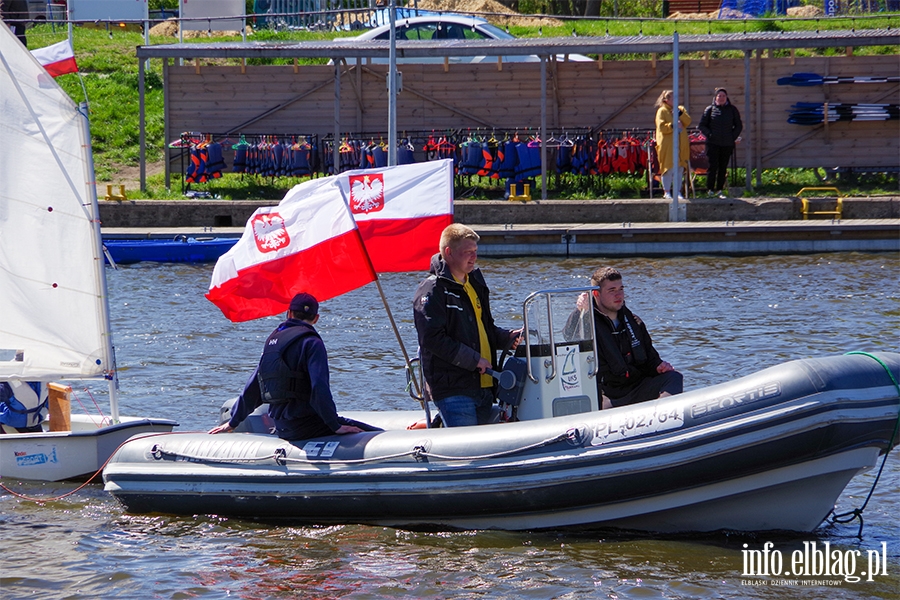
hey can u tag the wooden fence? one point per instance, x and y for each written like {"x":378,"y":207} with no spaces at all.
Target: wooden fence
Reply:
{"x":603,"y":95}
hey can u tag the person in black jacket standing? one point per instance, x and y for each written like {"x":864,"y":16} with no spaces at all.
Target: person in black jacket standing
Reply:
{"x":630,"y":368}
{"x":721,"y":124}
{"x":458,"y":339}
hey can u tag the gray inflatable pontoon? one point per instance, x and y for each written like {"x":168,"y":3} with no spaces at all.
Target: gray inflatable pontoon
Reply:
{"x":769,"y":451}
{"x":772,"y":450}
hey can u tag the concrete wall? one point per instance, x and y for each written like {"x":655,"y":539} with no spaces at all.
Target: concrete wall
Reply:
{"x":218,"y":213}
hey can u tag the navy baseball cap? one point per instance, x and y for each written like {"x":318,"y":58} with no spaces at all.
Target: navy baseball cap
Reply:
{"x":305,"y":304}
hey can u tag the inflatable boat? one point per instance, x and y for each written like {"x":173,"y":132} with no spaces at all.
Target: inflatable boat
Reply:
{"x":768,"y":451}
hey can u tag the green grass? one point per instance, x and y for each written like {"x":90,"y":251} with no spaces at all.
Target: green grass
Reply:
{"x":109,"y":73}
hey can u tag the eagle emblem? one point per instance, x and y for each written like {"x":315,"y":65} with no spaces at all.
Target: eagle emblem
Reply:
{"x":366,"y":193}
{"x":269,"y":232}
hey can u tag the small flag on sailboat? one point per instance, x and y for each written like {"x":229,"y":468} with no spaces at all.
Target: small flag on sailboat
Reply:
{"x":57,"y":59}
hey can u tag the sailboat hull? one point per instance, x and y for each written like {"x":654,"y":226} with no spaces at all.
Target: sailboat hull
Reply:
{"x":729,"y":458}
{"x":77,"y":454}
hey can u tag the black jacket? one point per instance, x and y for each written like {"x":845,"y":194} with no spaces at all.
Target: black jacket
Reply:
{"x":721,"y":124}
{"x":626,"y":352}
{"x":312,"y":413}
{"x":448,"y":332}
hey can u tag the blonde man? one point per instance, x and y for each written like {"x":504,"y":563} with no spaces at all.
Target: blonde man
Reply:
{"x":458,"y":339}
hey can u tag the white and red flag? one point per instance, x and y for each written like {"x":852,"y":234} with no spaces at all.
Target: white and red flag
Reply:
{"x":308,"y":243}
{"x":311,"y":243}
{"x":401,"y":211}
{"x":57,"y":59}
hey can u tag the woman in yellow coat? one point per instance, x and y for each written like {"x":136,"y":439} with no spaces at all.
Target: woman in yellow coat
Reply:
{"x":665,"y":139}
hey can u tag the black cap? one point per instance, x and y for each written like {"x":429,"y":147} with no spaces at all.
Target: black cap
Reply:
{"x":305,"y":305}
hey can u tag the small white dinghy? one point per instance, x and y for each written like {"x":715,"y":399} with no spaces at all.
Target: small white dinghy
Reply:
{"x":772,"y":450}
{"x":54,"y":317}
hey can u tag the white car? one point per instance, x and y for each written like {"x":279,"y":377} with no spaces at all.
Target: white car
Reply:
{"x":447,"y":27}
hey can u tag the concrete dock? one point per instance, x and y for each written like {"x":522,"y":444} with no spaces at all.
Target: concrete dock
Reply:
{"x":583,"y":228}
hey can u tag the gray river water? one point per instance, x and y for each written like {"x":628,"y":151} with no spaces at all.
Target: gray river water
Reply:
{"x":714,"y":318}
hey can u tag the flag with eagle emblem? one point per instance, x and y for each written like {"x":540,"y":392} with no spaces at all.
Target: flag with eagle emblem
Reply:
{"x":308,"y":243}
{"x":329,"y":236}
{"x":401,"y":211}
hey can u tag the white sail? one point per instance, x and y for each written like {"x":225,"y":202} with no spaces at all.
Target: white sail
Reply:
{"x":53,"y":315}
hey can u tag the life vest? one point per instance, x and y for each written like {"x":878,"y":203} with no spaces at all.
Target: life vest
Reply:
{"x":21,"y":403}
{"x":487,"y":161}
{"x":612,"y":350}
{"x":300,"y":155}
{"x":529,"y":161}
{"x":506,"y":160}
{"x":216,"y":163}
{"x":278,"y":382}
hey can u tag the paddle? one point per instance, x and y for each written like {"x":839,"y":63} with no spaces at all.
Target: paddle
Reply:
{"x":810,"y":79}
{"x":813,"y":113}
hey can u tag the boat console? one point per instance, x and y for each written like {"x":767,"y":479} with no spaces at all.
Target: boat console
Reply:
{"x":557,"y":357}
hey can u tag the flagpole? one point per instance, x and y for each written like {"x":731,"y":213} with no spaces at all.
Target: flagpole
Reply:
{"x":387,"y":308}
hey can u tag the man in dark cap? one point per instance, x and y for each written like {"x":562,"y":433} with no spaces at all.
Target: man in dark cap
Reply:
{"x":292,"y":377}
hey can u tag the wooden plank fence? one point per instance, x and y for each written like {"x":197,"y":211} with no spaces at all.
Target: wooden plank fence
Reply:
{"x":605,"y":95}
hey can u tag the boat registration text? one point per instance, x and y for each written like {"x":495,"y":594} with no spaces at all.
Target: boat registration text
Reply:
{"x":638,"y":422}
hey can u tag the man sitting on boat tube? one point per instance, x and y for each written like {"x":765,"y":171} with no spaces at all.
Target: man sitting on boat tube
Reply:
{"x":292,"y":377}
{"x":630,"y":370}
{"x":458,"y":340}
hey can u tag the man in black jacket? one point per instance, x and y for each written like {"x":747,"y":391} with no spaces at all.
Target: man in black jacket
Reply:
{"x":292,"y":377}
{"x":458,"y":339}
{"x":630,"y":369}
{"x":721,"y":124}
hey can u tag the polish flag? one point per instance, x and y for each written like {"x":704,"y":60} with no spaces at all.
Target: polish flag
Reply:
{"x":308,"y":243}
{"x":401,"y":211}
{"x":57,"y":59}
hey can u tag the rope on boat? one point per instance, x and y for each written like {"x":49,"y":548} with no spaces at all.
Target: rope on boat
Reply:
{"x":420,"y":453}
{"x":158,"y":452}
{"x":562,"y":437}
{"x":856,"y":513}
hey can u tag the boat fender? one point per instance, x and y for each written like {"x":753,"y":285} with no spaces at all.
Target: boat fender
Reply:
{"x":513,"y":396}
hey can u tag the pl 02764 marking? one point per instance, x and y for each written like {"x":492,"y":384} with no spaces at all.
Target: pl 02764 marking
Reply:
{"x":637,"y":423}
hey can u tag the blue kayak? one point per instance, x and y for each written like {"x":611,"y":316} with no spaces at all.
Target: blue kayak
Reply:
{"x":180,"y":249}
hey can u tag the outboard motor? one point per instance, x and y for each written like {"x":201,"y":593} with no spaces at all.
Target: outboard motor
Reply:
{"x":558,"y":358}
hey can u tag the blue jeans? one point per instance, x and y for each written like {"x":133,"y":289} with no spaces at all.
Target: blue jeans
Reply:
{"x":464,"y":409}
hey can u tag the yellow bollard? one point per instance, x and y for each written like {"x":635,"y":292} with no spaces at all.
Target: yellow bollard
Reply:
{"x":806,"y":209}
{"x":117,"y":197}
{"x":526,"y":193}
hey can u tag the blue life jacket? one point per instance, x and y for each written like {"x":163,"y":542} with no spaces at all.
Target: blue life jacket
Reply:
{"x":14,"y":413}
